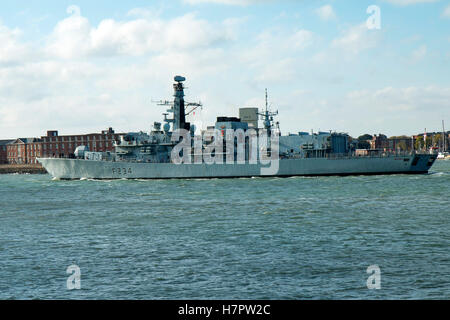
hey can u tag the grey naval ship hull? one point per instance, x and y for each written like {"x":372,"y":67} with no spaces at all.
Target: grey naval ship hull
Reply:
{"x":71,"y":169}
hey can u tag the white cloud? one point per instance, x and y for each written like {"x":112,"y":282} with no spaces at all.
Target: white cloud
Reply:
{"x":446,"y":13}
{"x":61,"y":83}
{"x":65,"y":85}
{"x":356,"y":39}
{"x":419,"y":53}
{"x":11,"y":49}
{"x":326,"y":13}
{"x":387,"y":107}
{"x":278,"y":71}
{"x":87,"y":77}
{"x":301,"y":39}
{"x":275,"y":54}
{"x":70,"y":38}
{"x":75,"y":37}
{"x":389,"y":110}
{"x":278,"y":41}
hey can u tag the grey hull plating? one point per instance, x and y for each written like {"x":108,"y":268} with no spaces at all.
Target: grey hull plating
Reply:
{"x":80,"y":169}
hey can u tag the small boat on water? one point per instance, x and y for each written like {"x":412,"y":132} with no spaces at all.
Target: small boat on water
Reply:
{"x":443,"y":156}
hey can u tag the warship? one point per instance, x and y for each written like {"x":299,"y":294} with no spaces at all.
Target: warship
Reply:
{"x":232,"y":148}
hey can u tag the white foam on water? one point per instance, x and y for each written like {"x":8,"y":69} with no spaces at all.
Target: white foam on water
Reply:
{"x":438,"y":174}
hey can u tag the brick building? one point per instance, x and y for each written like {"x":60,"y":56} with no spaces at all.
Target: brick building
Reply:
{"x":401,"y":143}
{"x":55,"y":146}
{"x":379,"y":142}
{"x":3,"y":151}
{"x":21,"y":150}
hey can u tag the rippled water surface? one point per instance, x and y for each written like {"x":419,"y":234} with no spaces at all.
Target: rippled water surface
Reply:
{"x":295,"y":238}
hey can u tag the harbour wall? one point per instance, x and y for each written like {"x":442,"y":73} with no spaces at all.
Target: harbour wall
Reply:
{"x":22,"y":169}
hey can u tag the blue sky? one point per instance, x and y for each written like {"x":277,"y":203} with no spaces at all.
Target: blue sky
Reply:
{"x":325,"y":70}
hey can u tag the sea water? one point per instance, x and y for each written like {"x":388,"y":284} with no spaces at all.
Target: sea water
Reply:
{"x":261,"y":238}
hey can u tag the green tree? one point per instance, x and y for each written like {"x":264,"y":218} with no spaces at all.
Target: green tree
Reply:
{"x":402,"y":146}
{"x":363,"y":141}
{"x":418,"y":143}
{"x":363,"y":145}
{"x":365,"y":137}
{"x":438,"y":140}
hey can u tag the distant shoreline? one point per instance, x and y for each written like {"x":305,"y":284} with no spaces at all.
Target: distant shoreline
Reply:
{"x":22,"y":169}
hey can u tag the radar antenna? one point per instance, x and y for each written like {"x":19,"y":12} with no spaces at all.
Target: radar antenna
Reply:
{"x":178,"y":107}
{"x":195,"y":106}
{"x":267,"y":115}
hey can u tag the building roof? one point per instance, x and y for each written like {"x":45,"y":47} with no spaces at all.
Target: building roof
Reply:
{"x":5,"y":142}
{"x":25,"y":140}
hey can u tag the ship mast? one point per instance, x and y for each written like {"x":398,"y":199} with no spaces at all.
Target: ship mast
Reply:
{"x":178,"y":106}
{"x":425,"y":140}
{"x":179,"y":113}
{"x":267,"y":116}
{"x":267,"y":102}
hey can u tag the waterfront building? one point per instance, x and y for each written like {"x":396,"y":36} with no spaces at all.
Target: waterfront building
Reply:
{"x":382,"y":142}
{"x":26,"y":150}
{"x":3,"y":151}
{"x":22,"y":150}
{"x":379,"y":142}
{"x":402,"y":143}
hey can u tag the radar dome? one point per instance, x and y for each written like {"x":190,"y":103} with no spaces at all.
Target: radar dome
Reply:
{"x":166,"y":127}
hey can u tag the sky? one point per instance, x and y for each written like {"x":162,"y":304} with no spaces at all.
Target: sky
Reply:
{"x":83,"y":66}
